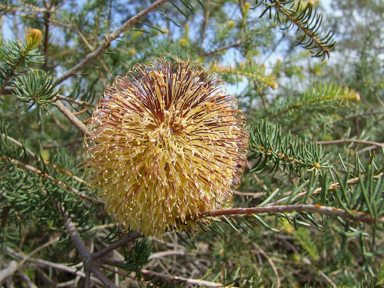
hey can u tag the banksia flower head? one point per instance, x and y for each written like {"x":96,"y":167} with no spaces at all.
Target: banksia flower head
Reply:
{"x":32,"y":39}
{"x":165,"y":144}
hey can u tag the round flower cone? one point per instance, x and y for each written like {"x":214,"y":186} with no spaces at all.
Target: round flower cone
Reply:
{"x":165,"y":144}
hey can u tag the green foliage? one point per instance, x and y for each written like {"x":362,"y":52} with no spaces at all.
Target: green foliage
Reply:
{"x":256,"y":72}
{"x":307,"y":20}
{"x":16,"y":52}
{"x":36,"y":88}
{"x":315,"y":141}
{"x":32,"y":194}
{"x":137,"y":256}
{"x":323,"y":93}
{"x":302,"y":235}
{"x":268,"y":145}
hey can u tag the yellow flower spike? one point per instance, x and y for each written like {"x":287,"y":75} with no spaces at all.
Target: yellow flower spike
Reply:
{"x":230,"y":24}
{"x":165,"y":144}
{"x":32,"y":39}
{"x":183,"y":42}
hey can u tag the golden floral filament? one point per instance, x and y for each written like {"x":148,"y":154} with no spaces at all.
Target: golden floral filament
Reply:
{"x":166,"y":143}
{"x":32,"y":39}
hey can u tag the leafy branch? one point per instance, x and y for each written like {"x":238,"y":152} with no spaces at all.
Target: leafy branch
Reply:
{"x":306,"y":19}
{"x":257,"y":72}
{"x":358,"y":141}
{"x":52,"y":179}
{"x":108,"y":39}
{"x":268,"y":144}
{"x":36,"y":88}
{"x":16,"y":52}
{"x":316,"y":208}
{"x":318,"y":93}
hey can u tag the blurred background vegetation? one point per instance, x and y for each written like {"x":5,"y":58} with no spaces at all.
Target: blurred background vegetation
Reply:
{"x":335,"y":99}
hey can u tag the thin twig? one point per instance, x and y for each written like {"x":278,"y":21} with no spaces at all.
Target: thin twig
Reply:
{"x":14,"y":9}
{"x":79,"y":125}
{"x":55,"y":145}
{"x":257,"y":178}
{"x":167,"y":253}
{"x":305,"y":28}
{"x":108,"y":283}
{"x":49,"y":177}
{"x":129,"y":238}
{"x":27,"y":280}
{"x":63,"y":267}
{"x":317,"y":191}
{"x":46,"y":162}
{"x":77,"y":31}
{"x":181,"y":279}
{"x":254,"y":195}
{"x":321,"y":273}
{"x":75,"y":237}
{"x":205,"y":25}
{"x":270,"y":263}
{"x":261,"y":93}
{"x":108,"y":39}
{"x":116,"y":265}
{"x":58,"y":124}
{"x":219,"y":50}
{"x":47,"y":17}
{"x":11,"y":269}
{"x":18,"y":144}
{"x":326,"y":210}
{"x":67,"y":99}
{"x":339,"y":120}
{"x":90,"y":265}
{"x":331,"y":142}
{"x":366,"y":149}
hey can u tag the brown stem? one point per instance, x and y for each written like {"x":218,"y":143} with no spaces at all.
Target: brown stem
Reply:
{"x":350,"y":141}
{"x":250,"y":194}
{"x":79,"y":125}
{"x":331,"y":211}
{"x":11,"y":269}
{"x":90,"y":265}
{"x":318,"y":190}
{"x":8,"y":76}
{"x":181,"y":279}
{"x":257,"y":178}
{"x":87,"y":281}
{"x":129,"y":238}
{"x":46,"y":162}
{"x":83,"y":103}
{"x":108,"y":283}
{"x":261,"y":93}
{"x":18,"y":144}
{"x":47,"y":17}
{"x":236,"y":44}
{"x":75,"y":237}
{"x":18,"y":117}
{"x":59,"y":183}
{"x":205,"y":25}
{"x":270,"y":263}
